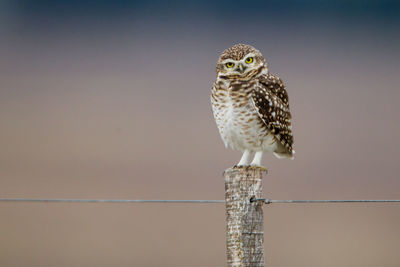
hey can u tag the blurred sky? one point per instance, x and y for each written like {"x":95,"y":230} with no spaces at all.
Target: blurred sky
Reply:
{"x":110,"y":99}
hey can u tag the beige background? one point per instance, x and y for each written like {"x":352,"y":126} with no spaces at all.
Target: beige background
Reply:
{"x":121,"y":110}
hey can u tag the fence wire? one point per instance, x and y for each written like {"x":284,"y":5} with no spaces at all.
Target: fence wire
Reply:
{"x":288,"y":201}
{"x":201,"y":201}
{"x":109,"y":200}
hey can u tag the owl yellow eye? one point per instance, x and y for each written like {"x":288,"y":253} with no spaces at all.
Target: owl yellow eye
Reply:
{"x":249,"y":60}
{"x":229,"y":64}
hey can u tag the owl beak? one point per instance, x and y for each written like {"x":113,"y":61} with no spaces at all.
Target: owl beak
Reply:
{"x":241,"y":68}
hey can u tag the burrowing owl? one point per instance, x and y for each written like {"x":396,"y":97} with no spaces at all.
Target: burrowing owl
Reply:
{"x":251,"y":106}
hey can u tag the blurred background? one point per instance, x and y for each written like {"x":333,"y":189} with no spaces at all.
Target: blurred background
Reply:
{"x":110,"y":99}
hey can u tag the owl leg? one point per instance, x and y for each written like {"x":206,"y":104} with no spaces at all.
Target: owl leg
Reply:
{"x":244,"y":161}
{"x":257,"y":159}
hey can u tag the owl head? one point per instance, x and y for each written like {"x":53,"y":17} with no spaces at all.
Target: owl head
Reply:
{"x":240,"y":62}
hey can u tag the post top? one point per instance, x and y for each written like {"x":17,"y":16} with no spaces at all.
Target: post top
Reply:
{"x":246,"y":170}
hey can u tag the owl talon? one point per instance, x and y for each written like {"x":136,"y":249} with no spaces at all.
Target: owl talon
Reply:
{"x":249,"y":167}
{"x":240,"y":166}
{"x":255,"y":167}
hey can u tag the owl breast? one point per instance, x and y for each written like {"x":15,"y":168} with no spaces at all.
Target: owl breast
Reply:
{"x":238,"y":121}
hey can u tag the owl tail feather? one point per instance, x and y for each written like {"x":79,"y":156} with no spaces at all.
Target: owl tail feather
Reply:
{"x":284,"y":155}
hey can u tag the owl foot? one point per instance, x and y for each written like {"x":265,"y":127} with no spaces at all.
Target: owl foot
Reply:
{"x":249,"y":167}
{"x":237,"y":166}
{"x":254,"y":167}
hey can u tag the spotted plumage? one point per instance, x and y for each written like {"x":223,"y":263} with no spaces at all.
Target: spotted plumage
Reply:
{"x":251,"y":106}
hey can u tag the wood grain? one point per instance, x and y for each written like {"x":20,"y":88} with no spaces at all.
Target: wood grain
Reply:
{"x":244,"y":219}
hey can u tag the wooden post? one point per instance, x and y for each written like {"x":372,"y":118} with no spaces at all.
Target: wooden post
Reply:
{"x":244,"y":219}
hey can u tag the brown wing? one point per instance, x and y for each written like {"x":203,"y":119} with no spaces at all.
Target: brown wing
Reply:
{"x":276,"y":86}
{"x":272,"y":104}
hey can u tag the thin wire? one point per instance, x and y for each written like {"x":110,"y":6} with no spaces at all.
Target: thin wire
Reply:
{"x":107,"y":200}
{"x":264,"y":200}
{"x":270,"y":201}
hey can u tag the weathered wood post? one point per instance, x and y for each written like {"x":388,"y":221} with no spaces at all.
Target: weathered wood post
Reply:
{"x":244,"y":219}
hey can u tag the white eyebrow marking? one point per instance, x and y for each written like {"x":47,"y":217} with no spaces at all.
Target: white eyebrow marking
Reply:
{"x":228,"y":60}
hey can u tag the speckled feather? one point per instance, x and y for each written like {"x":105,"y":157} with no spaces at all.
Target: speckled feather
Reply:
{"x":272,"y":104}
